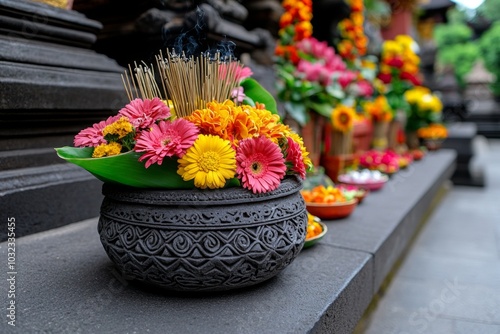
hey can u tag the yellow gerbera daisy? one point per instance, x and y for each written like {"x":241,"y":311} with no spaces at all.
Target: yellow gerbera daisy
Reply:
{"x":210,"y":162}
{"x":343,"y":118}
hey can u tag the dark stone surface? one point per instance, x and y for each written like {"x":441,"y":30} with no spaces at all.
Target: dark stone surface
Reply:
{"x":387,"y":219}
{"x":52,"y":85}
{"x":324,"y":290}
{"x":37,"y":21}
{"x":42,"y":198}
{"x":460,"y":138}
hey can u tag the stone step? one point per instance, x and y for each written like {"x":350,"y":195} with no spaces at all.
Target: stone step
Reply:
{"x":64,"y":282}
{"x":46,"y":197}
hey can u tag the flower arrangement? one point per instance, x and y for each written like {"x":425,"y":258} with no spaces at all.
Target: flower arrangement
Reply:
{"x":426,"y":108}
{"x":342,"y":122}
{"x":379,"y":109}
{"x":433,"y":135}
{"x":199,"y":132}
{"x":354,"y":43}
{"x":380,"y":113}
{"x":311,"y":75}
{"x":399,"y":70}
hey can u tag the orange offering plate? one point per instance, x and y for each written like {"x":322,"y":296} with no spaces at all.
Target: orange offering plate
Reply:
{"x":336,"y":210}
{"x":315,"y":230}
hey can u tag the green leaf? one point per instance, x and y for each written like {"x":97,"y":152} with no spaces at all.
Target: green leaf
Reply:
{"x":324,"y":109}
{"x":297,"y":111}
{"x":126,"y":169}
{"x":336,"y":91}
{"x":257,"y":93}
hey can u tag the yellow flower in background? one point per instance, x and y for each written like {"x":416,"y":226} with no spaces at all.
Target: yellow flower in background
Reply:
{"x":414,"y":95}
{"x":365,"y":63}
{"x":209,"y":162}
{"x":405,"y":40}
{"x":107,"y":150}
{"x":430,"y":102}
{"x":380,"y":86}
{"x":343,"y":118}
{"x":391,"y":49}
{"x":357,"y":18}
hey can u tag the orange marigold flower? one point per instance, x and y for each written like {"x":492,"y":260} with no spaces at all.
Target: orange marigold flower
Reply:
{"x":357,"y":18}
{"x":357,"y":5}
{"x":303,"y":30}
{"x":304,"y":14}
{"x":286,"y":19}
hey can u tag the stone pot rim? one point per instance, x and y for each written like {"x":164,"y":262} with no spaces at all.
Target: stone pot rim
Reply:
{"x":233,"y":195}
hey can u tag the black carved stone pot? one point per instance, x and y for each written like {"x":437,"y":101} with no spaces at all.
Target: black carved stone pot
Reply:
{"x":202,"y":240}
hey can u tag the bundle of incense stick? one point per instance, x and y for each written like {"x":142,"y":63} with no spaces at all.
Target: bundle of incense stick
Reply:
{"x":189,"y":82}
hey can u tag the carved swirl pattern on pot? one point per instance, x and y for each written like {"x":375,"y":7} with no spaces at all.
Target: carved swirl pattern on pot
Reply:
{"x":242,"y":214}
{"x":203,"y":260}
{"x":209,"y":248}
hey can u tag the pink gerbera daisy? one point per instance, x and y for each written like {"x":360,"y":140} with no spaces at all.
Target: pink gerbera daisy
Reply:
{"x":166,"y":139}
{"x":92,"y":136}
{"x":143,"y":113}
{"x":260,"y":164}
{"x":294,"y":157}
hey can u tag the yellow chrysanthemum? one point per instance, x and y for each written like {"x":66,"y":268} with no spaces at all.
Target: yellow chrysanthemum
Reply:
{"x":430,"y":102}
{"x":107,"y":150}
{"x":415,"y":94}
{"x":121,"y":127}
{"x":391,"y":48}
{"x":209,"y":162}
{"x":405,"y":40}
{"x":343,"y":118}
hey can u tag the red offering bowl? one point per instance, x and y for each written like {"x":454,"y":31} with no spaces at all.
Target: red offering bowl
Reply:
{"x":335,"y":210}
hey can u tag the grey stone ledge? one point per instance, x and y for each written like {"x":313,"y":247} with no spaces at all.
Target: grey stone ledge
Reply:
{"x":18,"y":180}
{"x":68,"y":285}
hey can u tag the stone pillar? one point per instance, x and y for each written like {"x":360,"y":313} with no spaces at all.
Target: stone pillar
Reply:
{"x":52,"y":84}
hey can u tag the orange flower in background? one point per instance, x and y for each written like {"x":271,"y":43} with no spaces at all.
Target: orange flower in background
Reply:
{"x":346,"y":49}
{"x":379,"y":110}
{"x":343,"y":118}
{"x":433,"y":131}
{"x":289,"y":52}
{"x":356,"y":5}
{"x":303,"y":30}
{"x":286,"y":19}
{"x":352,"y":30}
{"x":322,"y":194}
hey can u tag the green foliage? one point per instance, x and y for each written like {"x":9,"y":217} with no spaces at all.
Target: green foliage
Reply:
{"x":490,"y":9}
{"x":490,"y":50}
{"x":447,"y":35}
{"x":126,"y":169}
{"x":256,"y":93}
{"x":455,"y":48}
{"x":461,"y":57}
